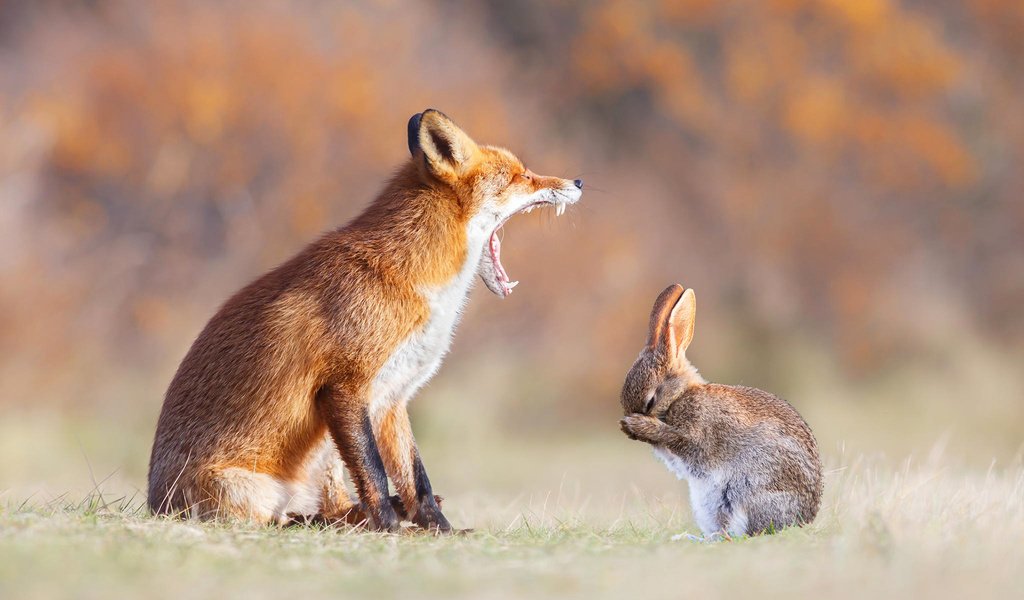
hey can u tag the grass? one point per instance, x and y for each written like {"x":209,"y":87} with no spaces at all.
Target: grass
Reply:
{"x":914,"y":530}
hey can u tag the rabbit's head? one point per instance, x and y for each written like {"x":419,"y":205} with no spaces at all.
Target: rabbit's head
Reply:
{"x":661,"y":372}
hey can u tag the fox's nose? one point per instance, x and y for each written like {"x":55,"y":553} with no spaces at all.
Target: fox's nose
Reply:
{"x":578,"y":183}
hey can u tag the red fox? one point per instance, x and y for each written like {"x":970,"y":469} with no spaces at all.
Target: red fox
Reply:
{"x":311,"y":366}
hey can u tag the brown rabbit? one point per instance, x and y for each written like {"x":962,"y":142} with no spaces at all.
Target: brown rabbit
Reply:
{"x":751,"y":461}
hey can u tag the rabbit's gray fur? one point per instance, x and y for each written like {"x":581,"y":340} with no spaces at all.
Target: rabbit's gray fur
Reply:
{"x":751,"y":461}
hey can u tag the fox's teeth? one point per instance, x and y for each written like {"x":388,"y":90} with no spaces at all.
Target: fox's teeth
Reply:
{"x":511,"y":284}
{"x":559,"y":210}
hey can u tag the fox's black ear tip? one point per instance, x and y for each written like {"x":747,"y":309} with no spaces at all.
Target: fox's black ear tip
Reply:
{"x":413,"y":132}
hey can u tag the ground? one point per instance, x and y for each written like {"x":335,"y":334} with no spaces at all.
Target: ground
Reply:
{"x":911,"y":529}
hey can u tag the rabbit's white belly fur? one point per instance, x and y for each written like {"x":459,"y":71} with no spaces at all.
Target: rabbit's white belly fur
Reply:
{"x":706,"y":495}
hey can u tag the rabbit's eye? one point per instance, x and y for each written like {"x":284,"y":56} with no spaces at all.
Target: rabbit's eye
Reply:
{"x":650,"y":403}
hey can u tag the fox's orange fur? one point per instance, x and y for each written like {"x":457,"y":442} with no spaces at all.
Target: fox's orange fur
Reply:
{"x":312,"y":364}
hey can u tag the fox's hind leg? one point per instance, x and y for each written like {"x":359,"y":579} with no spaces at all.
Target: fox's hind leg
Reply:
{"x":327,"y":476}
{"x":235,"y":493}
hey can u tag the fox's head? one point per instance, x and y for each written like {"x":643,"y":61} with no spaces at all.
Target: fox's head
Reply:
{"x":490,"y":183}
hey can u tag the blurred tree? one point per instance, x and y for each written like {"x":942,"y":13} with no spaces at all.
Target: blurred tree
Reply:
{"x":837,"y":146}
{"x":848,"y":171}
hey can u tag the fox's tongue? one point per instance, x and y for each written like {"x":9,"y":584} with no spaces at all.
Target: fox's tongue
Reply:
{"x":499,"y":271}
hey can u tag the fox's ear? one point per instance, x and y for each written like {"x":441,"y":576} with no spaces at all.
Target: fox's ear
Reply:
{"x":680,"y":323}
{"x":657,"y":338}
{"x":413,"y":133}
{"x":446,"y":148}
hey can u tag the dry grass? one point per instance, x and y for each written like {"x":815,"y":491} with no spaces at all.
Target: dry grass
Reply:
{"x":914,"y":530}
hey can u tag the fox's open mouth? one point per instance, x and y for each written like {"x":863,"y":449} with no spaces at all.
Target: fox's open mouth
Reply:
{"x":491,"y":269}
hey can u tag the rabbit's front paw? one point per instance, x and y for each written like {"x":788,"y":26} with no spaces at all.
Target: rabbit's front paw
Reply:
{"x":626,"y":429}
{"x":641,"y":427}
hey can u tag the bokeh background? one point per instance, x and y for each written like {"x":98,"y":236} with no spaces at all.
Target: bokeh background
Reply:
{"x":840,"y":181}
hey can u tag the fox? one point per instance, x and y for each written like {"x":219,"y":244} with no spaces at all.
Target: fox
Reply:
{"x":308,"y":371}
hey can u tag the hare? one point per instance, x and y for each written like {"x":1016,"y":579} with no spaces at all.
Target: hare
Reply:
{"x":751,"y":461}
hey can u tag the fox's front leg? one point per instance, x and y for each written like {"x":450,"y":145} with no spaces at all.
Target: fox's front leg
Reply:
{"x":402,"y":460}
{"x":348,"y":419}
{"x":646,"y":429}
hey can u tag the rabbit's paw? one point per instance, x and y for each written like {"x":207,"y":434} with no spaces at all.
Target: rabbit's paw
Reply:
{"x":641,"y":427}
{"x":712,"y":538}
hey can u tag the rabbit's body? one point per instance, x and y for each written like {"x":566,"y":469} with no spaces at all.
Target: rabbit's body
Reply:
{"x":747,"y":469}
{"x":750,"y":460}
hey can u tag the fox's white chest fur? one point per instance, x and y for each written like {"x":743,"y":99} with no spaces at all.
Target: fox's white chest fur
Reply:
{"x":419,"y":356}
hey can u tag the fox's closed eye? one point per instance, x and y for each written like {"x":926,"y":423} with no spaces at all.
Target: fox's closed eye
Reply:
{"x":650,"y":403}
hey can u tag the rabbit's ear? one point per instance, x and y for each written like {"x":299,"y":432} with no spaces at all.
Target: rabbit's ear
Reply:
{"x":681,"y":323}
{"x":657,"y":337}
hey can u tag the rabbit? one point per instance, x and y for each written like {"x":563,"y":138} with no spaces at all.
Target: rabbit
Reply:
{"x":750,"y":459}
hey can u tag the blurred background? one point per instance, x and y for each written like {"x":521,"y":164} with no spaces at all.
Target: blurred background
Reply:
{"x":839,"y":180}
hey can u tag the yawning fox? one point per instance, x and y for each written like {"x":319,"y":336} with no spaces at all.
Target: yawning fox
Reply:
{"x":312,"y":365}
